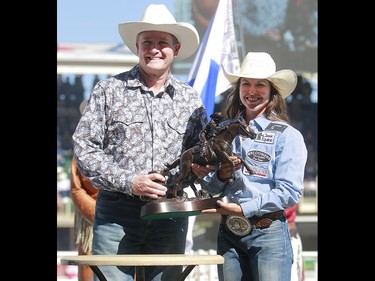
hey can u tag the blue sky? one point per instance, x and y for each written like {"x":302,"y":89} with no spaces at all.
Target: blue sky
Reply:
{"x":96,"y":21}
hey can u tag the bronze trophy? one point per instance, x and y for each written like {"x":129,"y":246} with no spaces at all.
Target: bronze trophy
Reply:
{"x":220,"y":148}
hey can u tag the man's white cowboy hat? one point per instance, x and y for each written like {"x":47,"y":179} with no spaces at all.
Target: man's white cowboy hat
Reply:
{"x":260,"y":65}
{"x":157,"y":17}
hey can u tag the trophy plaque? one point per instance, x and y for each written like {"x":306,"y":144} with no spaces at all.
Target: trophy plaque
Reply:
{"x":171,"y":208}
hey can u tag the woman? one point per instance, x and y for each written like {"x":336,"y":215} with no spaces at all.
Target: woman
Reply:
{"x":253,"y":237}
{"x":84,"y":195}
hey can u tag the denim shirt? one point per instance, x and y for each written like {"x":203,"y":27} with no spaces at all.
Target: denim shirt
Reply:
{"x":127,"y":130}
{"x":278,"y":157}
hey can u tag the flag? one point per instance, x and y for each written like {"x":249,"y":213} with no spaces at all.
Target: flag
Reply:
{"x":218,"y":47}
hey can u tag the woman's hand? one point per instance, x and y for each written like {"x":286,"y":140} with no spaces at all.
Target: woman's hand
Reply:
{"x":226,"y":169}
{"x":225,"y":209}
{"x":202,"y":170}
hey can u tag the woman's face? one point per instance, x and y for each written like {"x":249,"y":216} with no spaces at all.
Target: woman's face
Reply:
{"x":255,"y":94}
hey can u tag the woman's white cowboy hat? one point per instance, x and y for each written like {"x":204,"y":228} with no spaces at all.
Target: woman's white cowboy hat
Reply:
{"x":157,"y":17}
{"x":260,"y":65}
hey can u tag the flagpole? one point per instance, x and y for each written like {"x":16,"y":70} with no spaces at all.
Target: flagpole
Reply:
{"x":218,"y":48}
{"x":240,"y":27}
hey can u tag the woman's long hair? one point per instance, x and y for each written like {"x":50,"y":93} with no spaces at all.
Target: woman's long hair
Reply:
{"x":276,"y":109}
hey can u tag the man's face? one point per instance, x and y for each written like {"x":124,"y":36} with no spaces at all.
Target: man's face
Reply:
{"x":156,"y":50}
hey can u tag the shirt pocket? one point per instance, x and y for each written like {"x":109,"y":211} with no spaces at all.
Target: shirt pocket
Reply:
{"x":173,"y":137}
{"x":118,"y":132}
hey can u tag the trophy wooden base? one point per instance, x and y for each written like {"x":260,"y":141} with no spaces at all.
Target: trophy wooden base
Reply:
{"x":172,"y":207}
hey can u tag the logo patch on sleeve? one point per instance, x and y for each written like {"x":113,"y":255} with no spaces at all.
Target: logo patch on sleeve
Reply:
{"x":276,"y":127}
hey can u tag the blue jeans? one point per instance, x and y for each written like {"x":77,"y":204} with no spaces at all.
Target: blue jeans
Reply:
{"x":262,"y":255}
{"x":119,"y":229}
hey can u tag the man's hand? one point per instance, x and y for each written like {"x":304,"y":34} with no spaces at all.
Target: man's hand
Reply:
{"x":146,"y":185}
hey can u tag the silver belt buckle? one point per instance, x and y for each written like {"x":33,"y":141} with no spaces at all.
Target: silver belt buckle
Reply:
{"x":239,"y":226}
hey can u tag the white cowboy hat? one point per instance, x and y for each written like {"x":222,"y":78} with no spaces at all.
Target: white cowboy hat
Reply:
{"x":158,"y":17}
{"x":260,"y":65}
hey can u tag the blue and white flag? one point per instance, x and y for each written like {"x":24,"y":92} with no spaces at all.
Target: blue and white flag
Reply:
{"x":218,"y":47}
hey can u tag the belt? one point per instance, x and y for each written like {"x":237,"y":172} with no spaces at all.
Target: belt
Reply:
{"x":263,"y":221}
{"x":117,"y":194}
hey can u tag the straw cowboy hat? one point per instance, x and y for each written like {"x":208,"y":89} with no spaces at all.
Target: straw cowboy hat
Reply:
{"x":260,"y":65}
{"x":82,"y":106}
{"x":157,"y":17}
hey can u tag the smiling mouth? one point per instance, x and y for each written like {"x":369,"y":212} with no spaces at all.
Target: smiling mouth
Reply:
{"x":252,"y":99}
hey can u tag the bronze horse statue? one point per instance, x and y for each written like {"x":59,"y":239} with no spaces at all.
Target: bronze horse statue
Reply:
{"x":221,"y":145}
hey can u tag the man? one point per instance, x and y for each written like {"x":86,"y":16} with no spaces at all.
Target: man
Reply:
{"x":134,"y":123}
{"x":298,"y":273}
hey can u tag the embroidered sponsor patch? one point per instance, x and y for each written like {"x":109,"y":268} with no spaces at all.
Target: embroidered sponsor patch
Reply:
{"x":265,"y":137}
{"x":276,"y":127}
{"x":259,"y":156}
{"x":258,"y":172}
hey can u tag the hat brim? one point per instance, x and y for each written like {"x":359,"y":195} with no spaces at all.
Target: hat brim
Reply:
{"x":284,"y":80}
{"x":184,"y":32}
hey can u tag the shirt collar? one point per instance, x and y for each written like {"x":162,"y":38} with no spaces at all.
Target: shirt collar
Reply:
{"x":137,"y":82}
